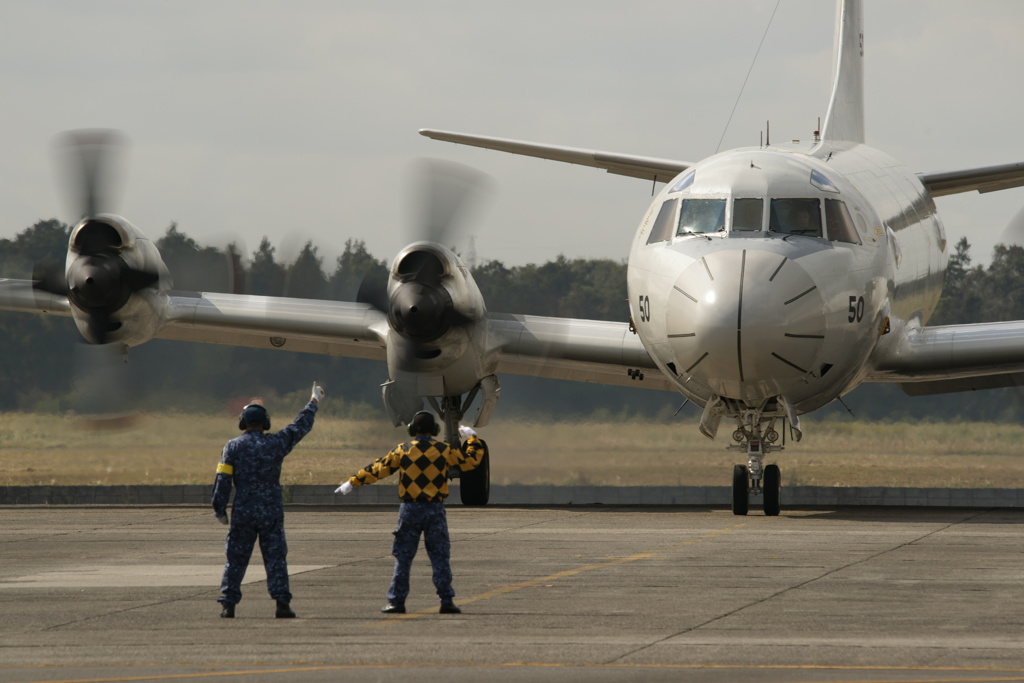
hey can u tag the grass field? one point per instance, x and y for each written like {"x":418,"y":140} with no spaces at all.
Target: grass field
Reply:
{"x":184,"y":449}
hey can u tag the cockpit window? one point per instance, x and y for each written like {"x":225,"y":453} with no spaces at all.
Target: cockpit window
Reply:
{"x":746,"y":214}
{"x":701,"y":216}
{"x":822,"y":183}
{"x":665,"y":223}
{"x":684,"y":182}
{"x":839,"y":224}
{"x":796,"y":217}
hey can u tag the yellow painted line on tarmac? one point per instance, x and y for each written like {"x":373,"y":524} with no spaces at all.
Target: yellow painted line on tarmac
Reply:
{"x":941,"y":674}
{"x":530,"y":583}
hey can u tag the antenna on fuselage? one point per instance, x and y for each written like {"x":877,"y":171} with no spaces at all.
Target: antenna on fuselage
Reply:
{"x":840,"y":399}
{"x":747,"y":78}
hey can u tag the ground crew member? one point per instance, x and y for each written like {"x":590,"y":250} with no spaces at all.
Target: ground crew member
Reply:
{"x":422,"y":465}
{"x":252,"y":462}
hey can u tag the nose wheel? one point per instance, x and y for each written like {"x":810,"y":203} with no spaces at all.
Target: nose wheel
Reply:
{"x":757,"y":437}
{"x":772,"y":490}
{"x":769,"y":486}
{"x":740,"y":490}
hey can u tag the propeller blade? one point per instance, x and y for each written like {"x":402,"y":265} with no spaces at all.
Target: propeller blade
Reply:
{"x":90,"y":160}
{"x":136,"y":279}
{"x":99,"y":328}
{"x":236,"y":269}
{"x":48,"y":276}
{"x":443,"y":193}
{"x":373,"y":290}
{"x":105,"y":393}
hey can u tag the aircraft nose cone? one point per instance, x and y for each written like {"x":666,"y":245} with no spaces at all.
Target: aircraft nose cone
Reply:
{"x":746,"y":324}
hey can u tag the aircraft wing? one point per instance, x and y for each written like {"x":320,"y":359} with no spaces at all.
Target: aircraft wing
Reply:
{"x":595,"y":351}
{"x":560,"y":348}
{"x":951,"y":358}
{"x":983,"y":179}
{"x":19,"y":295}
{"x":648,"y":168}
{"x":334,"y":328}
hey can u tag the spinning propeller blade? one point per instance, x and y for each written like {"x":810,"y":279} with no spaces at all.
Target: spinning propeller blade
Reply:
{"x":443,"y":194}
{"x":98,"y":281}
{"x":90,"y":161}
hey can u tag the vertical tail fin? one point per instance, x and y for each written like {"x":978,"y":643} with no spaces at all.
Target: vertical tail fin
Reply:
{"x":845,"y":118}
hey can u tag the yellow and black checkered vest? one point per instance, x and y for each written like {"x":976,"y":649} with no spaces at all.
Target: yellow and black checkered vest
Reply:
{"x":423,"y":471}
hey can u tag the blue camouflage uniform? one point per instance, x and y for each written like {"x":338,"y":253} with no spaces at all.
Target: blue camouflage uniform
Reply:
{"x":252,"y":462}
{"x":422,"y":465}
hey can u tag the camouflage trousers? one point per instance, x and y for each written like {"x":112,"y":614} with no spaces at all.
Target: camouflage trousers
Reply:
{"x":241,"y":538}
{"x":428,"y":519}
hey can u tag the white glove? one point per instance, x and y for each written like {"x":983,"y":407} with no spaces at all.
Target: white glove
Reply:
{"x":345,"y":488}
{"x":318,"y":393}
{"x":466,"y":432}
{"x":223,"y":519}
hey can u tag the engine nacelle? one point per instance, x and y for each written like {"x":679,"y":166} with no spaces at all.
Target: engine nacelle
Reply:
{"x":434,"y":310}
{"x":114,"y":275}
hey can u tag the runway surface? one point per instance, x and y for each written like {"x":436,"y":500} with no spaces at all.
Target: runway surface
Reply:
{"x":549,"y":593}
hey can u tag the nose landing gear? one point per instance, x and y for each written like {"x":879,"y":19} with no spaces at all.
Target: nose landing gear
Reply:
{"x":757,"y":438}
{"x":758,"y":479}
{"x":475,"y":484}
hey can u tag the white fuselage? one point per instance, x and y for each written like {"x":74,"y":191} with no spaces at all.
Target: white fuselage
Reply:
{"x":760,"y":274}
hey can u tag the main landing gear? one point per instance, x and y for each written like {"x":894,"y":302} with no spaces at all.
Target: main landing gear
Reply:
{"x":475,"y":484}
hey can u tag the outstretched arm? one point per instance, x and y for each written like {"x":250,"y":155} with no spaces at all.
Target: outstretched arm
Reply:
{"x":303,"y":422}
{"x":376,"y":470}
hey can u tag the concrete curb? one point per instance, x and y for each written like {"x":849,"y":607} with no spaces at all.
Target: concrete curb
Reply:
{"x":516,"y":494}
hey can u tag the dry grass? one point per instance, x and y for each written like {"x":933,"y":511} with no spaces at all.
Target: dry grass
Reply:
{"x":184,"y":449}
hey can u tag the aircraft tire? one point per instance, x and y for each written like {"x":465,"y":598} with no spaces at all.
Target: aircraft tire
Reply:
{"x":475,"y":485}
{"x":772,"y":490}
{"x":740,"y":490}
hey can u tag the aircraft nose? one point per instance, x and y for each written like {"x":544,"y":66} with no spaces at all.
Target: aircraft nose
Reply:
{"x":746,"y":323}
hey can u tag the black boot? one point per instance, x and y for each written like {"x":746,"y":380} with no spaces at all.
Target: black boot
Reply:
{"x":228,"y":612}
{"x":393,"y":608}
{"x":449,"y":607}
{"x":284,"y":611}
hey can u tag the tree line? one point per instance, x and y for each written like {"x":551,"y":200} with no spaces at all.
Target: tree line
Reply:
{"x":38,"y":370}
{"x":37,"y":363}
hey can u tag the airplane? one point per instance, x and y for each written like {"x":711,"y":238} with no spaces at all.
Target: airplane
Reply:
{"x":763,"y":284}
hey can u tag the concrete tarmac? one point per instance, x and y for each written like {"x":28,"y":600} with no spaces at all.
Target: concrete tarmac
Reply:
{"x":595,"y":593}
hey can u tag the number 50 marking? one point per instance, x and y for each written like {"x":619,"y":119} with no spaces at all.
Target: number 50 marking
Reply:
{"x":645,"y":308}
{"x":856,"y":309}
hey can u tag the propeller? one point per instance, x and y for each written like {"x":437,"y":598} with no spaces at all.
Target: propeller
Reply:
{"x":99,"y":281}
{"x":419,"y":307}
{"x":91,"y":161}
{"x":443,"y":193}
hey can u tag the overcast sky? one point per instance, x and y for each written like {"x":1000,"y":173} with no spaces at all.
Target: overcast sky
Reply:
{"x":299,"y":120}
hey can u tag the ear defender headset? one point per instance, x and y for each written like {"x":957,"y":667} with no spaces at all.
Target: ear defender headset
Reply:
{"x":254,"y":413}
{"x":424,"y":423}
